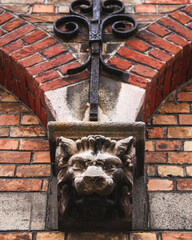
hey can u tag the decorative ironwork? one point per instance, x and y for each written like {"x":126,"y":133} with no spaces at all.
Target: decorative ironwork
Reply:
{"x":96,"y":27}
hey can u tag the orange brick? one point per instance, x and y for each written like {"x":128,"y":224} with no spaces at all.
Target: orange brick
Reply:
{"x":176,"y":236}
{"x":28,"y":131}
{"x":7,"y":170}
{"x":21,"y":185}
{"x":189,"y":171}
{"x":50,"y":236}
{"x":15,"y":157}
{"x":174,"y":108}
{"x":42,"y":8}
{"x":168,"y":145}
{"x":184,"y":96}
{"x":41,"y":157}
{"x":180,"y":132}
{"x":184,"y":184}
{"x":33,"y":171}
{"x":15,"y":236}
{"x":6,"y":119}
{"x":35,"y":144}
{"x":45,"y":185}
{"x":149,"y":146}
{"x":29,"y":120}
{"x":180,"y":157}
{"x":155,"y":132}
{"x":8,"y":144}
{"x":145,"y":8}
{"x":185,"y":119}
{"x":12,"y":108}
{"x":164,"y":120}
{"x":155,"y":157}
{"x":160,"y":185}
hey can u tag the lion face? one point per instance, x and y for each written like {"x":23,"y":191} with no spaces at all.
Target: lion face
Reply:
{"x":95,"y":173}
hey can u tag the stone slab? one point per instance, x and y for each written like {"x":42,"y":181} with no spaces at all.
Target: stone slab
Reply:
{"x":170,"y":211}
{"x":118,"y":101}
{"x":22,"y":211}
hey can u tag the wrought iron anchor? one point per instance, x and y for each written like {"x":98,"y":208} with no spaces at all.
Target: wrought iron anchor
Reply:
{"x":96,"y":26}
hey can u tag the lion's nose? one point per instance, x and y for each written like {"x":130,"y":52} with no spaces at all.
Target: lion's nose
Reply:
{"x":95,"y":180}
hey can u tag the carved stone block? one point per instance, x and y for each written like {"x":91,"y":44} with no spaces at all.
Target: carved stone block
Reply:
{"x":95,"y":175}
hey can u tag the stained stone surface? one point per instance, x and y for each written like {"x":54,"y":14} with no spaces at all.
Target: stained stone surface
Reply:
{"x":170,"y":211}
{"x":118,"y":101}
{"x":22,"y":211}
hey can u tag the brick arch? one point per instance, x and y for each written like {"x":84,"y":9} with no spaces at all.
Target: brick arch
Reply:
{"x":157,"y":59}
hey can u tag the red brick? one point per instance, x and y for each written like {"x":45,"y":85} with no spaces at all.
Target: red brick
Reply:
{"x":155,"y":157}
{"x":7,"y":170}
{"x":53,"y":51}
{"x":185,"y":119}
{"x":18,"y":33}
{"x":115,"y":62}
{"x":138,"y":44}
{"x":145,"y":8}
{"x":177,"y":27}
{"x":44,"y":117}
{"x":6,"y":119}
{"x":14,"y":68}
{"x":188,"y":10}
{"x":41,"y":17}
{"x":5,"y":17}
{"x":41,"y":157}
{"x":11,"y":25}
{"x":164,"y":120}
{"x":54,"y":84}
{"x":155,"y":132}
{"x":23,"y":87}
{"x":50,"y":236}
{"x":31,"y":101}
{"x":144,"y":71}
{"x":14,"y":46}
{"x":33,"y":171}
{"x":159,"y":42}
{"x":42,"y":8}
{"x":33,"y":48}
{"x":184,"y":184}
{"x":160,"y":185}
{"x":34,"y":36}
{"x":8,"y":144}
{"x":29,"y":120}
{"x":27,"y":62}
{"x":180,"y":17}
{"x":27,"y":131}
{"x":21,"y":185}
{"x":45,"y":185}
{"x":36,"y":144}
{"x":140,"y":58}
{"x":175,"y":38}
{"x":15,"y":236}
{"x":138,"y":81}
{"x":167,"y":1}
{"x":167,"y":145}
{"x":4,"y":132}
{"x":42,"y":67}
{"x":176,"y":236}
{"x":159,"y":54}
{"x":174,"y":108}
{"x":158,"y":29}
{"x":180,"y":157}
{"x":15,"y":157}
{"x":46,"y":76}
{"x":159,"y":96}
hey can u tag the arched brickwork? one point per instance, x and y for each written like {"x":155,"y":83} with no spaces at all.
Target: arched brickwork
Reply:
{"x":157,"y":59}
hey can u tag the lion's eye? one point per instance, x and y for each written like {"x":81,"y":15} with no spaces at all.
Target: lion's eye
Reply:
{"x":78,"y":165}
{"x":110,"y":166}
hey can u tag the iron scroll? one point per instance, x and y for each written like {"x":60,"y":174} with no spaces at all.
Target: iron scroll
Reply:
{"x":96,"y":26}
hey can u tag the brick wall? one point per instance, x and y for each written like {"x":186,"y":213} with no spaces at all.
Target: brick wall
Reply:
{"x":32,"y":62}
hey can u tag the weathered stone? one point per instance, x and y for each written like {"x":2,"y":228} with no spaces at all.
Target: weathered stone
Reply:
{"x":72,"y":103}
{"x":22,"y":211}
{"x":170,"y":211}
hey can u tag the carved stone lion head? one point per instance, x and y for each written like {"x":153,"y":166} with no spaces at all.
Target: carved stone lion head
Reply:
{"x":95,"y":177}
